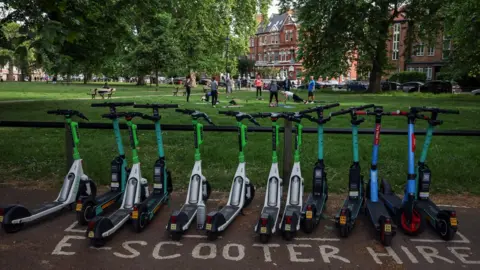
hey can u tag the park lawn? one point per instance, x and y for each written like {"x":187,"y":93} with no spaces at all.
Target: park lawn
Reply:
{"x":31,"y":154}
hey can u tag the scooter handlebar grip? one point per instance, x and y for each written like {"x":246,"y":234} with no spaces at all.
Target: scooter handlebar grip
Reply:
{"x":364,"y":107}
{"x":340,"y":112}
{"x":361,"y":112}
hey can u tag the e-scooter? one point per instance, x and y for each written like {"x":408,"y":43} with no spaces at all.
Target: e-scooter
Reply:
{"x":76,"y":183}
{"x":443,"y":221}
{"x":345,"y":218}
{"x":405,"y":211}
{"x":290,"y":222}
{"x":266,"y":225}
{"x":242,"y":191}
{"x":143,"y":212}
{"x":375,"y":209}
{"x":199,"y":188}
{"x":317,"y":199}
{"x":136,"y":191}
{"x":89,"y":207}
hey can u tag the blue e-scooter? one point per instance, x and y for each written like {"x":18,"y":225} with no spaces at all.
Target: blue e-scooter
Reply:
{"x":375,"y":209}
{"x":405,"y":211}
{"x":444,"y":222}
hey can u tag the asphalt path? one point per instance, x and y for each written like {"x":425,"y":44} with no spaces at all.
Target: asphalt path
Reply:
{"x":59,"y":243}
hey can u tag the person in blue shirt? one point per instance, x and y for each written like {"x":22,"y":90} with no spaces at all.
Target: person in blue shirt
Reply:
{"x":311,"y":87}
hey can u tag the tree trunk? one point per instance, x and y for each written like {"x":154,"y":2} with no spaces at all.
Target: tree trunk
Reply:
{"x":141,"y":80}
{"x":69,"y":78}
{"x":10,"y":71}
{"x":375,"y":78}
{"x":156,"y":77}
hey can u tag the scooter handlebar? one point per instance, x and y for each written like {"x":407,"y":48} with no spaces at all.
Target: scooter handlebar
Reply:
{"x":113,"y":104}
{"x":433,"y":110}
{"x":320,"y":108}
{"x":68,"y":113}
{"x":196,"y":115}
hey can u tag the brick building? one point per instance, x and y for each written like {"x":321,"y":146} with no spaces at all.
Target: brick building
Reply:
{"x":275,"y":45}
{"x":423,"y":57}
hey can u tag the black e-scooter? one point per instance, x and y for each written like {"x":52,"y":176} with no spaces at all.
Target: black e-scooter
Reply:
{"x":375,"y":209}
{"x":345,"y":218}
{"x":198,"y":189}
{"x":443,"y":221}
{"x":143,"y":212}
{"x":317,"y":199}
{"x":242,"y":191}
{"x":89,"y":207}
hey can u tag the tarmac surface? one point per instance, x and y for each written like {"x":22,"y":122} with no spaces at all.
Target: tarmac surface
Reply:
{"x":59,"y":243}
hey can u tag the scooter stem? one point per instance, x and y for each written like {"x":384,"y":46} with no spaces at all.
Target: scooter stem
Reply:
{"x":158,"y":132}
{"x":198,"y":139}
{"x":118,"y":137}
{"x":320,"y":141}
{"x":242,"y":129}
{"x":426,"y":144}
{"x":355,"y":143}
{"x":132,"y":129}
{"x":275,"y":141}
{"x":75,"y":139}
{"x":298,"y":142}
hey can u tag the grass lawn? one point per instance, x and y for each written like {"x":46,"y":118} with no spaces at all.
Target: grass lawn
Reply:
{"x":29,"y":154}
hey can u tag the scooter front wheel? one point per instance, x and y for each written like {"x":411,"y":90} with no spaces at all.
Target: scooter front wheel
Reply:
{"x":209,"y":191}
{"x":249,"y":200}
{"x":309,"y":225}
{"x":86,"y":214}
{"x":141,"y":222}
{"x":412,"y":227}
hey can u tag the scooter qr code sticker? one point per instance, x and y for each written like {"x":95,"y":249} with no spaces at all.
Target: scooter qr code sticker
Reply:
{"x":388,"y":228}
{"x":79,"y":207}
{"x":288,"y":227}
{"x":91,"y":234}
{"x":209,"y":227}
{"x":309,"y":214}
{"x":263,"y":230}
{"x":453,"y":221}
{"x":173,"y":226}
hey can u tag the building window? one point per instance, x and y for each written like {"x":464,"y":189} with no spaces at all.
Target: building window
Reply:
{"x":252,"y":42}
{"x":447,"y":47}
{"x":419,"y":69}
{"x":259,"y":57}
{"x":420,"y":50}
{"x":431,"y":51}
{"x":410,"y":69}
{"x":396,"y":41}
{"x":287,"y":33}
{"x":265,"y":57}
{"x":429,"y":73}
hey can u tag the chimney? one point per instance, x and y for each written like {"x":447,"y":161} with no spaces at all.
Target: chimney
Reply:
{"x":259,"y":18}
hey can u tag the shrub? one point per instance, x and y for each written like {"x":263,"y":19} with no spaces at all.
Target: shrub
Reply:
{"x":408,"y":76}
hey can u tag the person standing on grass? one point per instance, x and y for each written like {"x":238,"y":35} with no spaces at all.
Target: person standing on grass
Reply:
{"x":311,"y":88}
{"x":258,"y":85}
{"x":214,"y":91}
{"x":273,"y":93}
{"x":188,"y":86}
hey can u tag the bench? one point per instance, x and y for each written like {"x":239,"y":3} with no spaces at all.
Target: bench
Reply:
{"x":102,"y":92}
{"x":177,"y":90}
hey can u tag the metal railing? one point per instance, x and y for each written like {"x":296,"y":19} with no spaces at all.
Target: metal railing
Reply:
{"x":287,"y":129}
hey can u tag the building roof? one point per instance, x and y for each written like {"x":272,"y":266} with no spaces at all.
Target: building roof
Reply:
{"x":275,"y":23}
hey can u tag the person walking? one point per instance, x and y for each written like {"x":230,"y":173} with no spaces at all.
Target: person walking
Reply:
{"x":258,"y":85}
{"x":311,"y":88}
{"x":188,"y":86}
{"x":273,"y":93}
{"x":288,"y":84}
{"x":214,"y":91}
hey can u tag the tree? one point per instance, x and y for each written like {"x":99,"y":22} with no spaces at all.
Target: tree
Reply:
{"x":333,"y":33}
{"x":245,"y":66}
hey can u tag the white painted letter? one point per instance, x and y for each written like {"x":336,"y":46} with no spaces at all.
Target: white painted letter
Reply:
{"x":211,"y":255}
{"x":331,"y":254}
{"x":390,"y":253}
{"x":226,"y":252}
{"x":462,"y":257}
{"x":432,"y":253}
{"x":409,"y":254}
{"x":294,"y":254}
{"x":134,"y":252}
{"x":156,"y":250}
{"x":63,"y":243}
{"x":266,"y":250}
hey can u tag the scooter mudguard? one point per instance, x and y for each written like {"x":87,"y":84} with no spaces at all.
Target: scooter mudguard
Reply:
{"x":450,"y":215}
{"x":98,"y":226}
{"x":290,"y":222}
{"x":177,"y":220}
{"x":265,"y":224}
{"x":13,"y":212}
{"x":214,"y":221}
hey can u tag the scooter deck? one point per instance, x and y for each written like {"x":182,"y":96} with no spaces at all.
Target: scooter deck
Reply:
{"x":45,"y":207}
{"x":375,"y":210}
{"x":319,"y":203}
{"x":228,"y":211}
{"x":293,"y":209}
{"x":189,"y":209}
{"x":428,"y":206}
{"x":119,"y":215}
{"x":108,"y":196}
{"x":392,"y":201}
{"x":354,"y":205}
{"x":155,"y":199}
{"x":271,"y":211}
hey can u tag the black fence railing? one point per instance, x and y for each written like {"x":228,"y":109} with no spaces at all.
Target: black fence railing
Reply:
{"x":287,"y":130}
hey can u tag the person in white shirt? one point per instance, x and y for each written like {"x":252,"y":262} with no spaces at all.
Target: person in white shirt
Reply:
{"x":295,"y":97}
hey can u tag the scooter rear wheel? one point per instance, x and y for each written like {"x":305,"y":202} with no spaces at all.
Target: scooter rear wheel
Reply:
{"x":97,"y":242}
{"x":212,"y":236}
{"x":12,"y":228}
{"x":288,"y":236}
{"x":87,"y":213}
{"x":176,"y":236}
{"x":445,"y":229}
{"x":412,"y":227}
{"x":140,"y":223}
{"x":264,"y":238}
{"x":309,"y":225}
{"x":385,"y":239}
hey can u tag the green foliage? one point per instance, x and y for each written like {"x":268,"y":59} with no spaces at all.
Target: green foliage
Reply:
{"x":408,"y":76}
{"x":245,"y":65}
